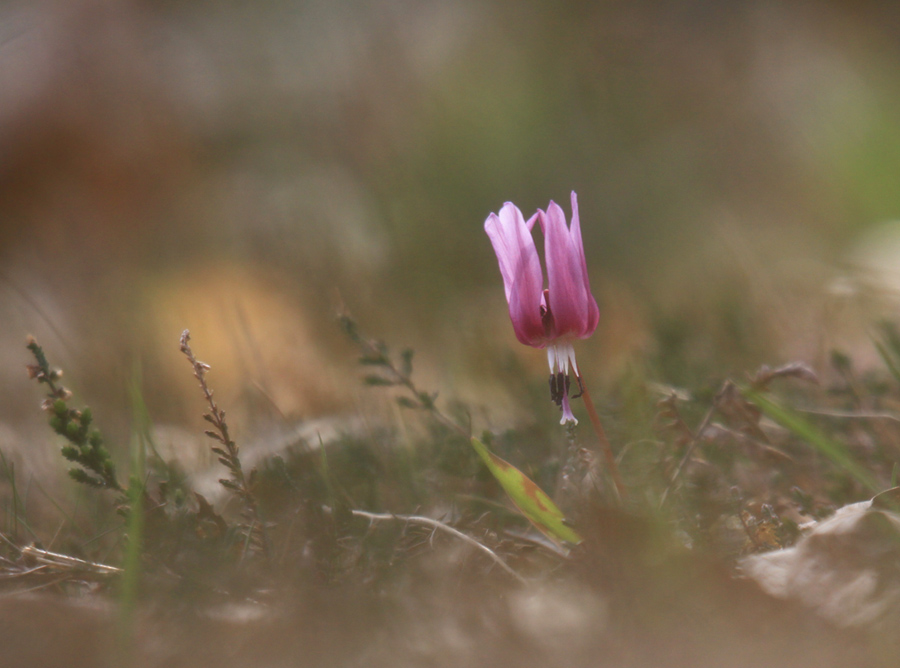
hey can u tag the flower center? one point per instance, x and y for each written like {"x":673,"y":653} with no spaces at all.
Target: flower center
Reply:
{"x":560,"y":355}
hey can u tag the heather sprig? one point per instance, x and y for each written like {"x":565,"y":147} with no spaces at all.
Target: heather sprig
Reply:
{"x":85,"y":442}
{"x":375,"y":354}
{"x":228,"y":453}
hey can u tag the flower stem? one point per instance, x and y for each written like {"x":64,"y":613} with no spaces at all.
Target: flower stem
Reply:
{"x":621,"y":492}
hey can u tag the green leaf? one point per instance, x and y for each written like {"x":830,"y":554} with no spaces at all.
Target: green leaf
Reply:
{"x":377,"y":360}
{"x":378,"y":381}
{"x":530,"y":499}
{"x":837,"y":452}
{"x":406,"y":402}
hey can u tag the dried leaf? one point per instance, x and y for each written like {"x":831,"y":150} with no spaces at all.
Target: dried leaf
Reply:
{"x":798,"y":370}
{"x":206,"y":511}
{"x":732,"y":404}
{"x":839,"y":570}
{"x":889,"y":499}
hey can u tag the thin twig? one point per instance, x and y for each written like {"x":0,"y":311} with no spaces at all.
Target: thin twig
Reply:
{"x":437,"y":525}
{"x":695,"y":437}
{"x":10,"y":543}
{"x":621,"y":492}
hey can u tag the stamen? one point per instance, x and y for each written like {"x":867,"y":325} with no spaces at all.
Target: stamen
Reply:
{"x":559,"y":356}
{"x":580,"y":387}
{"x":570,"y":357}
{"x":557,"y":388}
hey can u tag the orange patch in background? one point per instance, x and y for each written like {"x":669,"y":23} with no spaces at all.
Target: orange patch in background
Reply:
{"x":255,"y":337}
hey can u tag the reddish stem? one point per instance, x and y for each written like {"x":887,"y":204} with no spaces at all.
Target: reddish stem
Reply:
{"x":621,"y":492}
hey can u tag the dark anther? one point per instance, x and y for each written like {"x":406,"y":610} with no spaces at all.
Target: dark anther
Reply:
{"x":559,"y":387}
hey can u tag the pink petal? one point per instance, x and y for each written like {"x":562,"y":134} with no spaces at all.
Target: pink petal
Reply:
{"x":575,"y":234}
{"x":521,"y":271}
{"x":570,"y":297}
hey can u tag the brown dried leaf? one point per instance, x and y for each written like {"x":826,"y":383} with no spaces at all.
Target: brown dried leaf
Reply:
{"x":889,"y":499}
{"x":205,"y":511}
{"x":669,"y":420}
{"x":799,"y":370}
{"x":732,"y":404}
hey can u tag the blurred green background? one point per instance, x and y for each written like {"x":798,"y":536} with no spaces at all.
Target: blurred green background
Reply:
{"x":240,"y":169}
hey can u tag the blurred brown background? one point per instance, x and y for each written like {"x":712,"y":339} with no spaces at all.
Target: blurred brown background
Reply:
{"x":240,"y":168}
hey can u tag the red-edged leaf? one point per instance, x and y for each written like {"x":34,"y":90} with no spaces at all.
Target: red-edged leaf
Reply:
{"x":530,"y":499}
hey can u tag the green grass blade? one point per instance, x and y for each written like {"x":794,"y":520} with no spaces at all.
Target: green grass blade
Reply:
{"x":797,"y":425}
{"x":888,"y":359}
{"x":530,"y":499}
{"x":131,"y":566}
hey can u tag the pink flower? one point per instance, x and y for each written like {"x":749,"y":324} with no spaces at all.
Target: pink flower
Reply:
{"x":549,"y":317}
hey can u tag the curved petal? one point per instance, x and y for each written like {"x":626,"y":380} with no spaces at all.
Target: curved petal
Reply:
{"x":521,"y":271}
{"x":575,"y":234}
{"x":569,"y":297}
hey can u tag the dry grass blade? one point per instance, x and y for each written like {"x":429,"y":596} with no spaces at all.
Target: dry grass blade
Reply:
{"x":65,"y":562}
